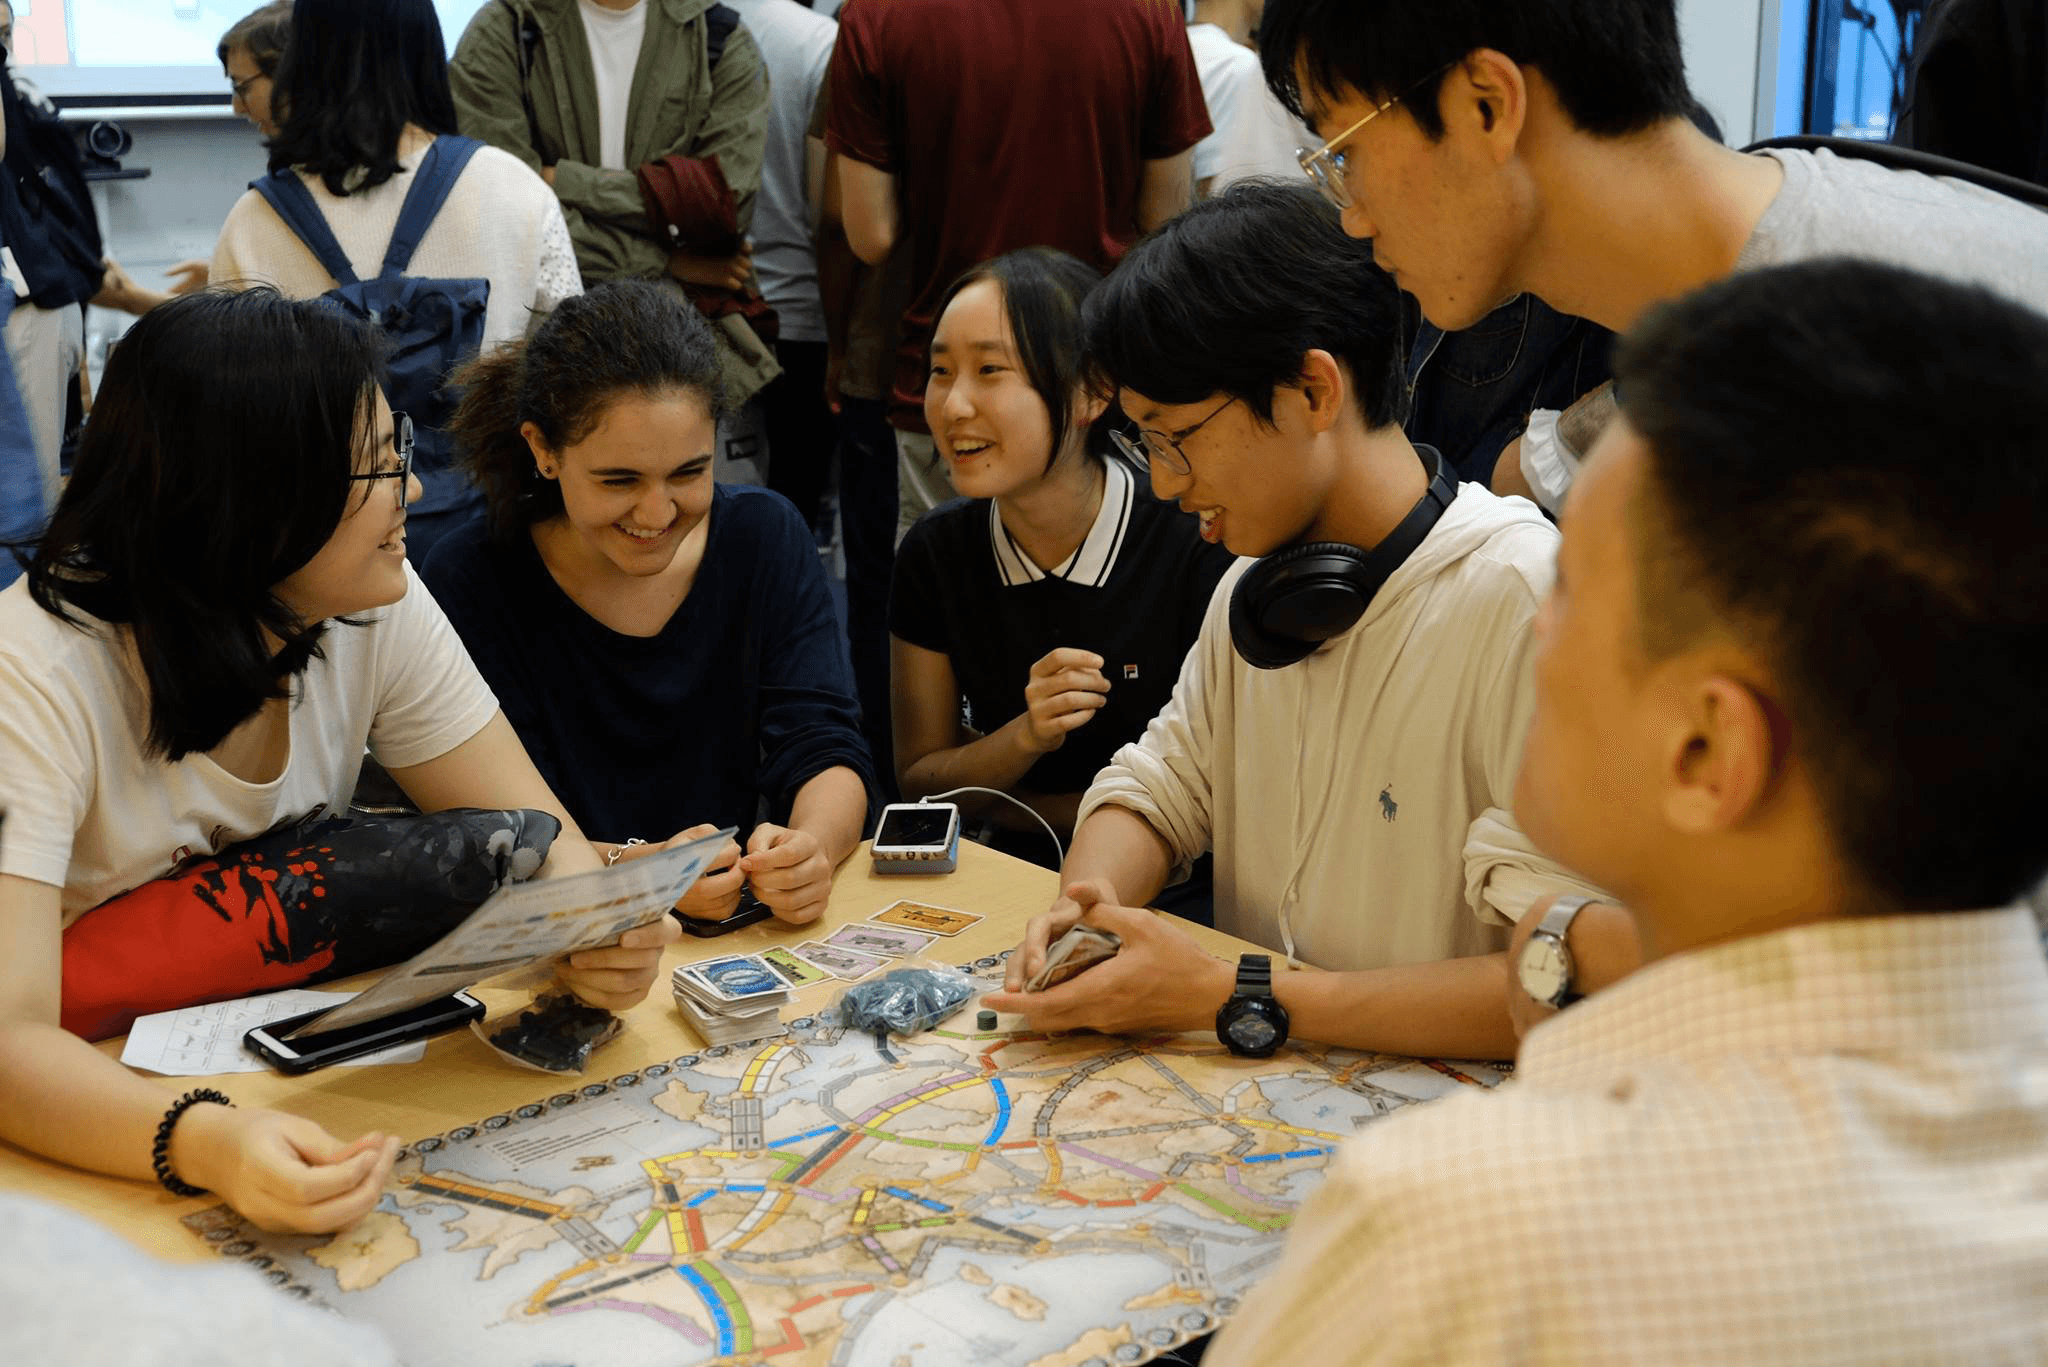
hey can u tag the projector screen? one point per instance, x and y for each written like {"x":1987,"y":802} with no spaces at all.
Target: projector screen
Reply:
{"x":144,"y":50}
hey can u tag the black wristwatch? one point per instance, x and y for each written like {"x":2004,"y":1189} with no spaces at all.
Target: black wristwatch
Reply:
{"x":1253,"y":1023}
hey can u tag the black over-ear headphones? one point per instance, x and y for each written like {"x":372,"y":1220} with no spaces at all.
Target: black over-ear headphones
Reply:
{"x":1293,"y":600}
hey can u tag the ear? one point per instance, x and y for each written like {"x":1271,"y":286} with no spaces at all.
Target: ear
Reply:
{"x":545,"y":463}
{"x":1487,"y":96}
{"x":1722,"y":766}
{"x":1322,"y":388}
{"x":1087,"y":408}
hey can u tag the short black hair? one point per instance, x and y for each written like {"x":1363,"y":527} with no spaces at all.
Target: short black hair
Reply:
{"x":1231,"y":295}
{"x":262,"y":33}
{"x":216,"y":464}
{"x":1617,"y":65}
{"x":1043,"y":293}
{"x":1846,"y":472}
{"x":626,"y":337}
{"x":354,"y":74}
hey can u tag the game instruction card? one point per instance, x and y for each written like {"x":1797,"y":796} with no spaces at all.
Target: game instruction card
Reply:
{"x":532,"y":922}
{"x":925,"y":917}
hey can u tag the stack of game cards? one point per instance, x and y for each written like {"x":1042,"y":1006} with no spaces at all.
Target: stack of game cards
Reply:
{"x":738,"y":997}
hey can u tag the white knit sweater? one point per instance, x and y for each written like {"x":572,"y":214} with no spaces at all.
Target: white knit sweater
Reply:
{"x":501,"y":222}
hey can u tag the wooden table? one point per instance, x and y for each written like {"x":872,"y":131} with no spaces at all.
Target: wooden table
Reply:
{"x":460,"y":1079}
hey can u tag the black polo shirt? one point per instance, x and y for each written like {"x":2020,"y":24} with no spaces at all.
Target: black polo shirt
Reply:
{"x":1134,"y":593}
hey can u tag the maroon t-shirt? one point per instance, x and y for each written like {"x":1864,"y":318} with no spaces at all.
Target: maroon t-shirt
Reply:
{"x":1007,"y":124}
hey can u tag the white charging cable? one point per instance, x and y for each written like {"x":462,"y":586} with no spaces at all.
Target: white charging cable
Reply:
{"x":1024,"y":807}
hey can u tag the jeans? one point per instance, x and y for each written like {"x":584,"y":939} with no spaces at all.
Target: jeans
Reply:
{"x":800,"y":430}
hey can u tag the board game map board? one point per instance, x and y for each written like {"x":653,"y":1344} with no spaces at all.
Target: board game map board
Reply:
{"x":954,"y":1198}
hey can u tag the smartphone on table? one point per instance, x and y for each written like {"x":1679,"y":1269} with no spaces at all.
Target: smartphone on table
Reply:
{"x":278,"y":1045}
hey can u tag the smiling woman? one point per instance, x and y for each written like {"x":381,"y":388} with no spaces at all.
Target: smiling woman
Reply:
{"x":665,"y":646}
{"x":217,"y":623}
{"x":1055,"y":597}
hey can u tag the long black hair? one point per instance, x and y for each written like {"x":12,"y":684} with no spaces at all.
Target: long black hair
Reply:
{"x":1043,"y":291}
{"x":626,"y":337}
{"x":216,"y":464}
{"x":354,"y":74}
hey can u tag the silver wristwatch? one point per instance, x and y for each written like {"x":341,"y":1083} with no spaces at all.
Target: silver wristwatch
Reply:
{"x":1545,"y":969}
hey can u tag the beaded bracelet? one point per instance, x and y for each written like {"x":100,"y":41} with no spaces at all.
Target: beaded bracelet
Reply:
{"x":160,"y":1153}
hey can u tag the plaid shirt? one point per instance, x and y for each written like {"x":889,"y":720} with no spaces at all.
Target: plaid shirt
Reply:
{"x":1826,"y":1144}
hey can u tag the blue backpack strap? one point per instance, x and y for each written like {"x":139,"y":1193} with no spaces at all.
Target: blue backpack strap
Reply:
{"x":294,"y":204}
{"x":439,"y":170}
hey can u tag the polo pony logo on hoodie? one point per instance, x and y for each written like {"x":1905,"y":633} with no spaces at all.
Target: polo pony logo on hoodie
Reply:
{"x":1389,"y":809}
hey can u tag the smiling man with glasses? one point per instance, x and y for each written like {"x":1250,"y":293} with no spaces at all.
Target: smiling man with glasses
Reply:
{"x":1346,"y":731}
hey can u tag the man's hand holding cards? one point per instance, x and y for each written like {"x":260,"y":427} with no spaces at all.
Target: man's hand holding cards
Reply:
{"x":1130,"y":970}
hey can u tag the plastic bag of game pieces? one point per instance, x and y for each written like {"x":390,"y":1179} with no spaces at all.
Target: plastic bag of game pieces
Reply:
{"x":555,"y":1033}
{"x":905,"y":1000}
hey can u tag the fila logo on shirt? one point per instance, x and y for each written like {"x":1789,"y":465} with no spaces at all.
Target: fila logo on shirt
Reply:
{"x":1130,"y":672}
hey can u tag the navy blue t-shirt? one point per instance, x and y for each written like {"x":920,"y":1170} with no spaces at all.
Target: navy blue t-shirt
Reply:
{"x":745,"y":695}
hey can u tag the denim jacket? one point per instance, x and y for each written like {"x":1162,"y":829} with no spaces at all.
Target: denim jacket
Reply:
{"x":1471,"y":392}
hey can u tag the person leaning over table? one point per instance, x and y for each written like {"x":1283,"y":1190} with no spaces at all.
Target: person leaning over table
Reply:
{"x":1352,"y":769}
{"x":1788,"y":705}
{"x":217,"y":619}
{"x":664,"y":645}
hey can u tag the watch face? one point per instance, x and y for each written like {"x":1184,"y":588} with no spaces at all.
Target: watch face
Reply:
{"x":1253,"y":1033}
{"x":1543,"y":970}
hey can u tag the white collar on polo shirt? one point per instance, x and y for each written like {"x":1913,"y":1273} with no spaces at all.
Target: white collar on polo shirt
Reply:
{"x":1092,"y":561}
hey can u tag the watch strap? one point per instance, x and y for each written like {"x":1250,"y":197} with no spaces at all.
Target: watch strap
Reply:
{"x":1558,"y":920}
{"x":1254,"y":975}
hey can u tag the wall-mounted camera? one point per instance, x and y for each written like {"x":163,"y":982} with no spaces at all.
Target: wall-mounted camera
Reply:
{"x":105,"y":143}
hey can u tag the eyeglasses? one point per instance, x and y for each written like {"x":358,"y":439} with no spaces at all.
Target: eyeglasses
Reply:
{"x":1163,"y":447}
{"x":243,"y":87}
{"x":401,"y":442}
{"x":1325,"y":166}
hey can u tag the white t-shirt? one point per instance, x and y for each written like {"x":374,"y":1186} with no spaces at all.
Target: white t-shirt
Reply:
{"x":89,"y":811}
{"x":1841,"y":206}
{"x":1365,"y":790}
{"x":1254,"y":134}
{"x":501,"y":222}
{"x":614,"y":37}
{"x":797,"y":46}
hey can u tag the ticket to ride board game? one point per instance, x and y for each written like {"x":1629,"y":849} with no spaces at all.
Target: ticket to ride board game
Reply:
{"x":830,"y":1196}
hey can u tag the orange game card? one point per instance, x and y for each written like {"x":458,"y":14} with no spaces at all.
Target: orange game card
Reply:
{"x":926,"y":917}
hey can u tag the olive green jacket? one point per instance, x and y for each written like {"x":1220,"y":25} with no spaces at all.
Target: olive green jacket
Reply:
{"x":678,"y":105}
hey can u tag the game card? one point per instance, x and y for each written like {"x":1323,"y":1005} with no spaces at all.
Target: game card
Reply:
{"x":925,"y":917}
{"x":849,"y":964}
{"x":794,"y":971}
{"x":887,"y":941}
{"x":737,"y":978}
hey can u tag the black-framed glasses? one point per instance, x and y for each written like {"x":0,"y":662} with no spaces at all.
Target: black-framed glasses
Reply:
{"x":1325,"y":166}
{"x":401,"y":442}
{"x":1163,"y":447}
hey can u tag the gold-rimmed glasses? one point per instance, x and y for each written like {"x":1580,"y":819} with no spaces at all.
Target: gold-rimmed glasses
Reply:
{"x":1324,"y":167}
